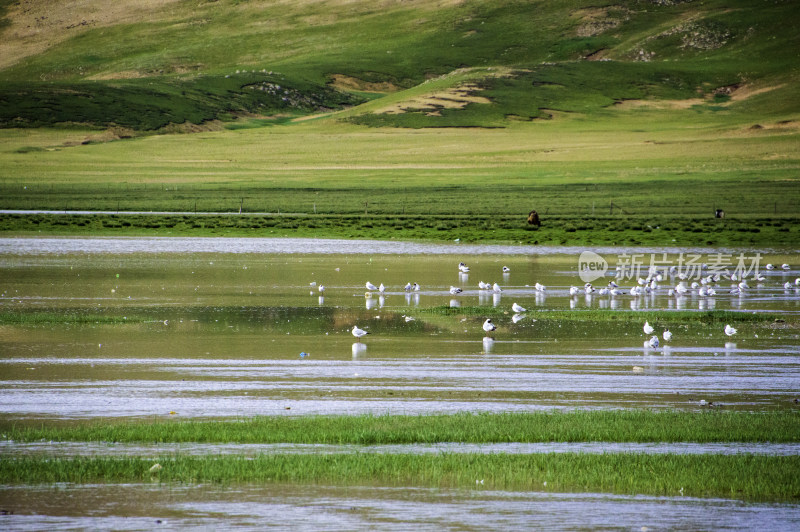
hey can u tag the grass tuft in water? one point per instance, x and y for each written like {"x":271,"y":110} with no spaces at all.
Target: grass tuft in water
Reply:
{"x":577,"y":426}
{"x":738,"y":476}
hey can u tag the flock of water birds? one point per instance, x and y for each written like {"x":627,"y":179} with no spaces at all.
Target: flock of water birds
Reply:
{"x":704,"y":287}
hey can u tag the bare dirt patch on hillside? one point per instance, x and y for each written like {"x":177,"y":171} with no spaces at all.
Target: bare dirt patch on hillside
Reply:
{"x":453,"y":98}
{"x":737,"y":93}
{"x":348,"y":83}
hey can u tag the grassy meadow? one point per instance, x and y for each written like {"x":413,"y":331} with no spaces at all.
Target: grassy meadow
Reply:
{"x":648,"y":187}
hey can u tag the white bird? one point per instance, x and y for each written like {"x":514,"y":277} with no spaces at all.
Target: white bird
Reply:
{"x":603,"y":291}
{"x":539,"y":287}
{"x":787,"y":285}
{"x":516,"y":308}
{"x":381,"y":288}
{"x":371,"y":286}
{"x":653,"y":341}
{"x":463,"y":267}
{"x":648,"y":329}
{"x":496,"y":288}
{"x":588,"y":289}
{"x":484,"y":286}
{"x":455,"y":290}
{"x":573,"y":290}
{"x":785,"y":267}
{"x":416,"y":287}
{"x":408,"y":318}
{"x":358,"y":333}
{"x":321,"y":288}
{"x":506,"y":269}
{"x":612,"y":284}
{"x":667,"y":335}
{"x":730,"y":331}
{"x":488,"y":326}
{"x":797,"y":281}
{"x":407,"y":287}
{"x":770,"y":267}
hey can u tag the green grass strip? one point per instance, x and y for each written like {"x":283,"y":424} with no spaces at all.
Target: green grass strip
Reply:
{"x":67,"y":318}
{"x":734,"y":476}
{"x":576,"y":426}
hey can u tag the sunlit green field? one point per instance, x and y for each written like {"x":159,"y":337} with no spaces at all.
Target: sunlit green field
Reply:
{"x":629,"y":182}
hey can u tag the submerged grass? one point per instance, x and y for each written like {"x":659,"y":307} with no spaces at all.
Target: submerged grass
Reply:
{"x":577,"y":426}
{"x":709,"y":316}
{"x":65,"y":318}
{"x":737,"y":476}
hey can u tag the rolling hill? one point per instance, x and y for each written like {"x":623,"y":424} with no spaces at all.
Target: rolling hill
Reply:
{"x":152,"y":64}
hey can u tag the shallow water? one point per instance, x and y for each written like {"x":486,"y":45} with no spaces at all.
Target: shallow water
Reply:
{"x":221,"y":334}
{"x":228,"y":328}
{"x":314,"y":507}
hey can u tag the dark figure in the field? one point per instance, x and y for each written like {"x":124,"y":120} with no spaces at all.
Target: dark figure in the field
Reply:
{"x":533,"y":218}
{"x":719,"y":213}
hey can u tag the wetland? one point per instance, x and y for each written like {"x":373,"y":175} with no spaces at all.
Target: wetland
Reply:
{"x":222,"y":362}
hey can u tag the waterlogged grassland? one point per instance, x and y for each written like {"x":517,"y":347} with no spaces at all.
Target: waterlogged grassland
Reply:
{"x":738,"y":476}
{"x":576,"y":426}
{"x":558,"y":230}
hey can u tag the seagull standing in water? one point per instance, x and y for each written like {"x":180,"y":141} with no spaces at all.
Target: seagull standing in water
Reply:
{"x":517,"y":308}
{"x":371,"y":286}
{"x":455,"y":290}
{"x":358,"y":333}
{"x":506,"y":269}
{"x":653,"y":342}
{"x":648,"y":329}
{"x":488,"y":326}
{"x":667,"y":335}
{"x":496,"y":288}
{"x":730,"y":331}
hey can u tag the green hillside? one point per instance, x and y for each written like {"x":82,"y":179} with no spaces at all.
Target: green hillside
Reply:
{"x":145,"y":65}
{"x":626,"y":123}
